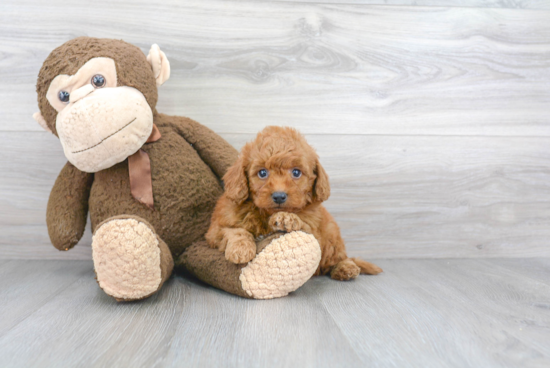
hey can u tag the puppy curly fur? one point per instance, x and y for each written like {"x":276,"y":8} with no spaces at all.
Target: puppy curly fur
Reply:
{"x":247,"y":211}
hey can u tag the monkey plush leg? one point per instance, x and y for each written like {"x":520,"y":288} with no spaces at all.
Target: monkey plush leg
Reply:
{"x":130,"y":260}
{"x":283,"y":263}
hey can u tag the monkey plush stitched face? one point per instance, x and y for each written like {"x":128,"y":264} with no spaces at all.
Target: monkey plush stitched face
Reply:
{"x":100,"y":117}
{"x":98,"y":123}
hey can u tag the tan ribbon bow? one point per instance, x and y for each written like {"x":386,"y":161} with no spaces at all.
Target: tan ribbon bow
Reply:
{"x":139,"y":167}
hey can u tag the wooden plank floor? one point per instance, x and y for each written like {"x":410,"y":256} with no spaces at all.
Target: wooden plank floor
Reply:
{"x":418,"y":313}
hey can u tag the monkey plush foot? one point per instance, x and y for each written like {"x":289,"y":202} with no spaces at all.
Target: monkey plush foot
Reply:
{"x":282,"y":265}
{"x":131,"y":262}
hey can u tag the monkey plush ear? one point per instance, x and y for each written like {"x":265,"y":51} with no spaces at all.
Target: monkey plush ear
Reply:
{"x":160,"y":64}
{"x":40,"y":120}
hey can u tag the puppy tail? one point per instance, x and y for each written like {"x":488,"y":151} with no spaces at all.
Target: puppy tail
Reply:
{"x":367,"y":267}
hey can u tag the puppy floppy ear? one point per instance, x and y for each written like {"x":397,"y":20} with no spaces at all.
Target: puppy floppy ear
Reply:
{"x":236,"y":182}
{"x":321,"y":186}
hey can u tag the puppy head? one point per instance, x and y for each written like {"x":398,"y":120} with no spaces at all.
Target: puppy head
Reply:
{"x":278,"y":171}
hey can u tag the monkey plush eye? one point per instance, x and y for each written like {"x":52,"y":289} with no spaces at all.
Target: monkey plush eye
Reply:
{"x":296,"y":173}
{"x":263,"y":173}
{"x":98,"y":81}
{"x":63,"y":96}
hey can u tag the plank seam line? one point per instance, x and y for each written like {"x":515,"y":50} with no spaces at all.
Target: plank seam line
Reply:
{"x":339,"y":327}
{"x":344,"y":4}
{"x":351,"y":134}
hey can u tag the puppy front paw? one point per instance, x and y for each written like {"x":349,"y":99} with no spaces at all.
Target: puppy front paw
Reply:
{"x":240,"y":251}
{"x":285,"y":221}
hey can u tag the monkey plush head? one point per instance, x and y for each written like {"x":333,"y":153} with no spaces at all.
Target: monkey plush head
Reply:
{"x":98,"y":96}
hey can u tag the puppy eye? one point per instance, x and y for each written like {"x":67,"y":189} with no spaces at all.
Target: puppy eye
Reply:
{"x":98,"y":81}
{"x":63,"y":96}
{"x":263,"y":173}
{"x":296,"y":173}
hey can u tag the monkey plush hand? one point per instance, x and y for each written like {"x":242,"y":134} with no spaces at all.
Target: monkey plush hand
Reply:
{"x":149,"y":181}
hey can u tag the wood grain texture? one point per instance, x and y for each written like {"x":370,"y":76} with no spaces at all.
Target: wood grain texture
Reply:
{"x":26,"y":287}
{"x":393,"y":196}
{"x":418,"y":313}
{"x":431,"y":121}
{"x":475,"y":313}
{"x":508,"y":4}
{"x":348,"y":69}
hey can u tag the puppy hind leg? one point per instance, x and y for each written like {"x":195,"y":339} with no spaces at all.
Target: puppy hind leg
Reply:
{"x":345,"y":270}
{"x":367,"y":268}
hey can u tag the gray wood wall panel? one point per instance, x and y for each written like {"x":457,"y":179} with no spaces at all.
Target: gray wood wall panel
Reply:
{"x":238,"y":66}
{"x":511,"y":4}
{"x":433,"y":122}
{"x":393,"y":196}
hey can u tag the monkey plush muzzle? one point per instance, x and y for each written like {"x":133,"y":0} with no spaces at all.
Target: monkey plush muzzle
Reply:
{"x":103,"y":126}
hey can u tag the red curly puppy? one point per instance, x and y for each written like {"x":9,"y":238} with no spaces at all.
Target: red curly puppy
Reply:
{"x":277,"y":185}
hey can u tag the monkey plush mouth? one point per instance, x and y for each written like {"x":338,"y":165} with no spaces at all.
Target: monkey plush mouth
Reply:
{"x":104,"y":139}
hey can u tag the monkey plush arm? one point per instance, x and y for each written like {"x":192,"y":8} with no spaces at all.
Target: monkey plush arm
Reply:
{"x":68,"y":207}
{"x":213,"y":149}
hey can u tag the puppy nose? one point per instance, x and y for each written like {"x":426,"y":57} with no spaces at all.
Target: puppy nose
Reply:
{"x":279,"y":197}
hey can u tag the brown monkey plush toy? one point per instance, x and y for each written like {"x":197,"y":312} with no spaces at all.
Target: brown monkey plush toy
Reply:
{"x":149,"y":181}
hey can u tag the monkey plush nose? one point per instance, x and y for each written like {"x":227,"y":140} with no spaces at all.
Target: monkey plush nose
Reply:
{"x":279,"y":197}
{"x":81,"y":93}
